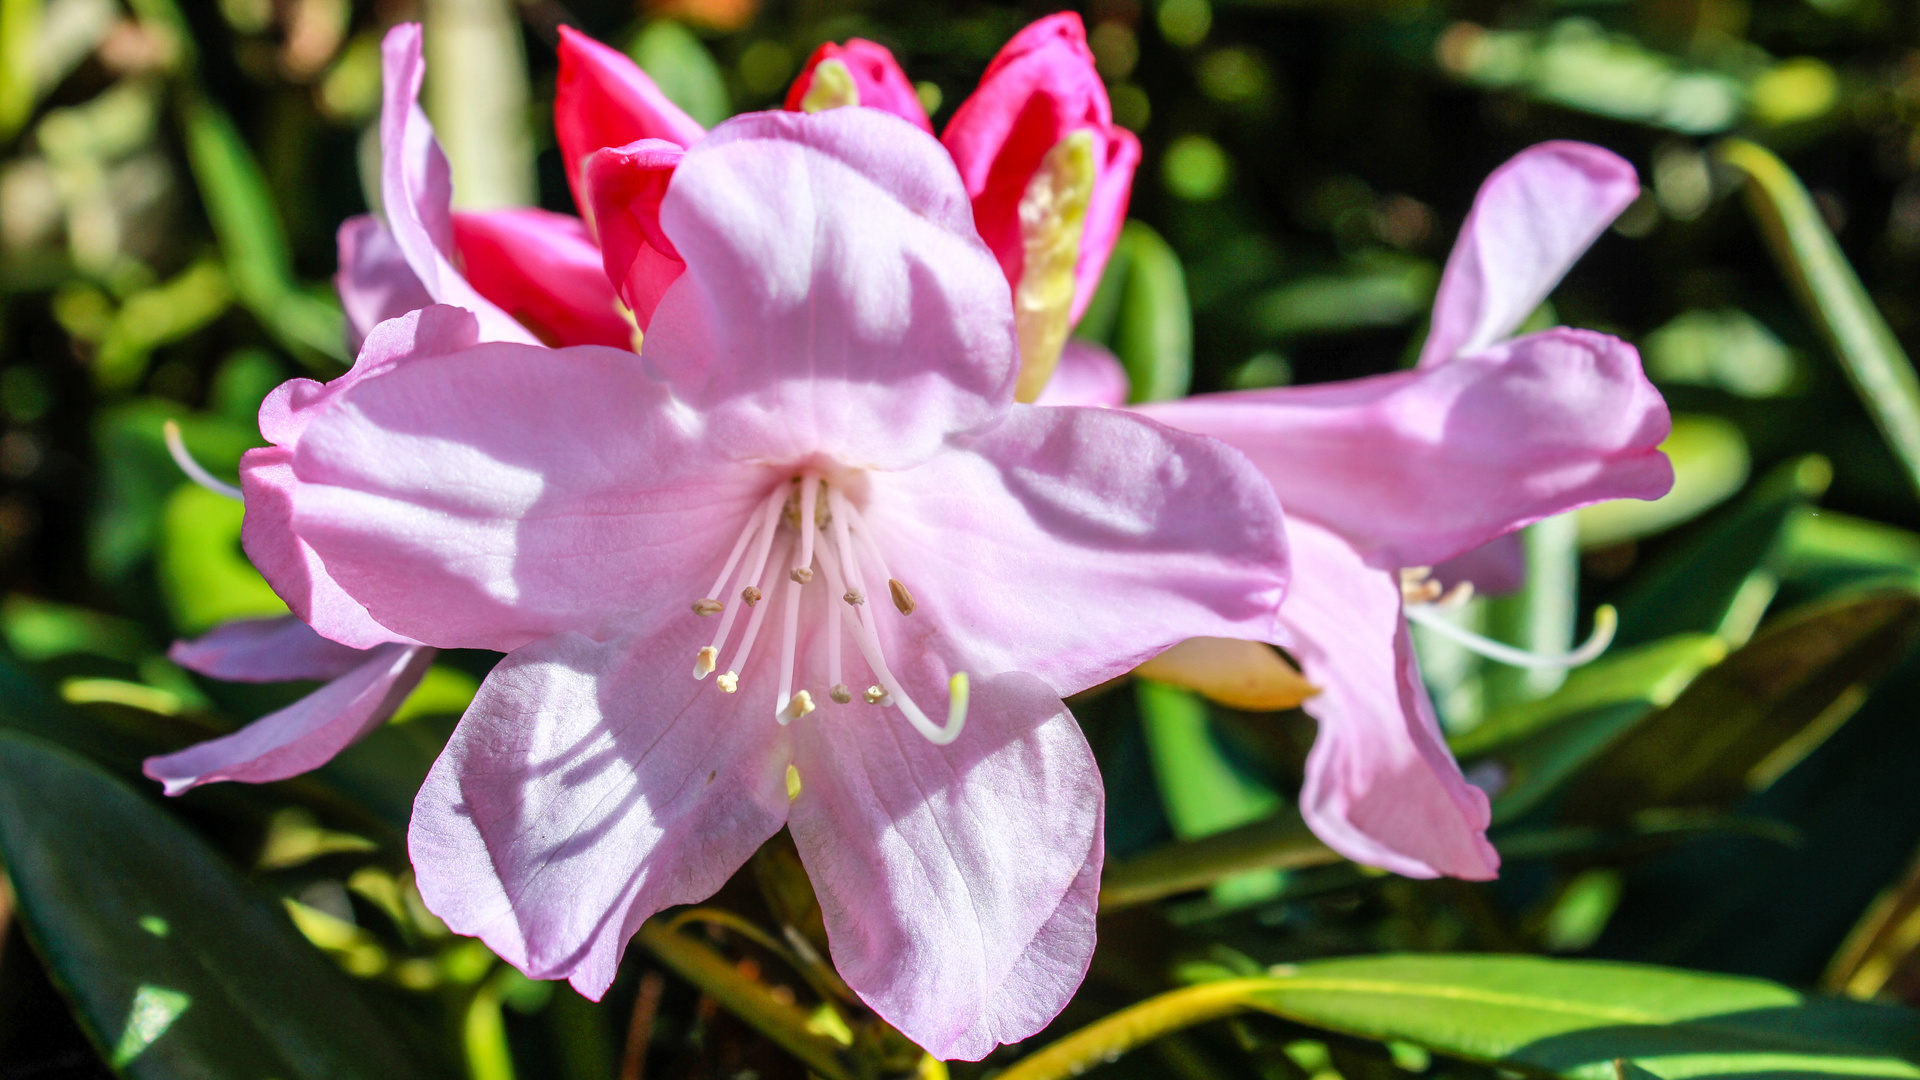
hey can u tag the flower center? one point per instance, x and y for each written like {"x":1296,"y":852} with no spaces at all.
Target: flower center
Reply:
{"x":802,"y":525}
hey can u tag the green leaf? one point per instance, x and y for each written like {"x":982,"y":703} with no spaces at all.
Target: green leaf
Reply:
{"x":1566,"y":1018}
{"x":255,"y":246}
{"x":1710,"y":463}
{"x":1153,"y":325}
{"x":138,"y":476}
{"x":1825,"y":549}
{"x":175,"y":966}
{"x":1720,"y":579}
{"x":1281,"y":842}
{"x":1744,"y":723}
{"x":1832,"y":294}
{"x":206,"y":578}
{"x":1378,"y":291}
{"x":683,"y":69}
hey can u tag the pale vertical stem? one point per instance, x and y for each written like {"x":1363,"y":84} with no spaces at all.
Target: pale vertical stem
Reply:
{"x":809,"y":500}
{"x":747,"y":533}
{"x":769,"y":513}
{"x":477,"y":97}
{"x":836,"y":582}
{"x":842,"y":513}
{"x":789,"y":634}
{"x":746,"y":640}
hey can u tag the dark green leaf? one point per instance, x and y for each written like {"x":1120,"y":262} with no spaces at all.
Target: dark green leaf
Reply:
{"x":176,"y":967}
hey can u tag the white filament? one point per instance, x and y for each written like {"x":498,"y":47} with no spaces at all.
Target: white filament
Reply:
{"x":1605,"y":622}
{"x":195,"y":472}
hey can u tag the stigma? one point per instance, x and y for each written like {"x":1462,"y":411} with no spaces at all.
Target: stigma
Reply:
{"x":803,"y":531}
{"x":1424,"y":602}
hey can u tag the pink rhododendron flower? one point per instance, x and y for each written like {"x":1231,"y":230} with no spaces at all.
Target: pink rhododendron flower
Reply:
{"x":802,"y":562}
{"x":363,"y":688}
{"x":1383,"y":477}
{"x":1047,"y":171}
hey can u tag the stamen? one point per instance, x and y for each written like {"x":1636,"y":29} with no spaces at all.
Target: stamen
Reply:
{"x":799,"y":706}
{"x":874,"y":695}
{"x":177,"y":447}
{"x":902,"y":599}
{"x":855,"y":597}
{"x":1417,"y":585}
{"x":747,"y":639}
{"x":751,"y":594}
{"x":809,"y":499}
{"x":840,"y":693}
{"x":704,"y":607}
{"x":790,"y":637}
{"x":729,"y":682}
{"x":830,"y":562}
{"x":1605,"y":622}
{"x":703,"y":663}
{"x":760,"y":529}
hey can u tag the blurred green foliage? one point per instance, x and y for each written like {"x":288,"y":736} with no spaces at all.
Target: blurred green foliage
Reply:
{"x":1727,"y":793}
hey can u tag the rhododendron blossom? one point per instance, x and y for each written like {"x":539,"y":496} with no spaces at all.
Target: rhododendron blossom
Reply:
{"x":1047,"y":172}
{"x":802,"y":562}
{"x":1387,"y":476}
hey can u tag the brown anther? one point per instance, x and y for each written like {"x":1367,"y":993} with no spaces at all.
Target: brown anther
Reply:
{"x":855,"y":597}
{"x":705,"y":606}
{"x":902,"y":599}
{"x":874,"y":695}
{"x":840,"y":693}
{"x":802,"y":574}
{"x":751,"y":594}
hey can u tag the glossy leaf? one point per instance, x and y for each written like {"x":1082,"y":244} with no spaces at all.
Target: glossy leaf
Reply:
{"x":1153,"y":325}
{"x":1710,"y":463}
{"x":684,"y":70}
{"x":176,"y":966}
{"x":1564,"y":1018}
{"x":1742,"y":724}
{"x":1280,"y":842}
{"x":1831,"y":291}
{"x":206,"y":579}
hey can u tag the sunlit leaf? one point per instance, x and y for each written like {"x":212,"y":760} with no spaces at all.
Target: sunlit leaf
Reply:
{"x":1563,"y":1018}
{"x":1834,"y":297}
{"x":176,"y":967}
{"x":1710,"y":463}
{"x":683,"y":69}
{"x":206,"y":578}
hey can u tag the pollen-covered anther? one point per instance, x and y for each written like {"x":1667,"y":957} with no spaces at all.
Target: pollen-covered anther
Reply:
{"x":840,"y":693}
{"x":798,"y":706}
{"x":855,"y":597}
{"x":902,"y":599}
{"x":1417,"y":585}
{"x":874,"y":695}
{"x":708,"y":606}
{"x":751,"y":594}
{"x":802,"y":574}
{"x":729,"y":681}
{"x":704,"y":663}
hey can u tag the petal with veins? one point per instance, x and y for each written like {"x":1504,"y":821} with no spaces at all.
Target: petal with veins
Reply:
{"x":1416,"y":467}
{"x":1532,"y":220}
{"x":374,"y":281}
{"x":305,"y":735}
{"x":265,"y":650}
{"x":1237,"y":673}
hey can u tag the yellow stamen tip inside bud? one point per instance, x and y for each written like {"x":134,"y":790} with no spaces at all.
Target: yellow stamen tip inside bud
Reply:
{"x":1053,"y":219}
{"x":729,"y":682}
{"x":793,"y":783}
{"x":706,"y":661}
{"x":832,"y":87}
{"x":802,"y":574}
{"x":902,"y":599}
{"x":874,"y":695}
{"x":840,"y":693}
{"x":705,"y":606}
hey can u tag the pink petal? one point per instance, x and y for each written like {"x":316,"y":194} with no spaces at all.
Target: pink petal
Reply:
{"x":1086,"y":375}
{"x":1416,"y":467}
{"x":374,"y":281}
{"x":494,"y":496}
{"x":958,"y":882}
{"x":604,"y":99}
{"x":265,"y":650}
{"x":624,"y":186}
{"x":545,"y":271}
{"x":837,"y":300}
{"x":305,"y":735}
{"x":876,"y":75}
{"x":1496,"y":567}
{"x":590,"y":785}
{"x":1382,"y":788}
{"x":416,"y":190}
{"x":1534,"y":217}
{"x":1041,"y":88}
{"x":289,"y":564}
{"x":1073,"y":544}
